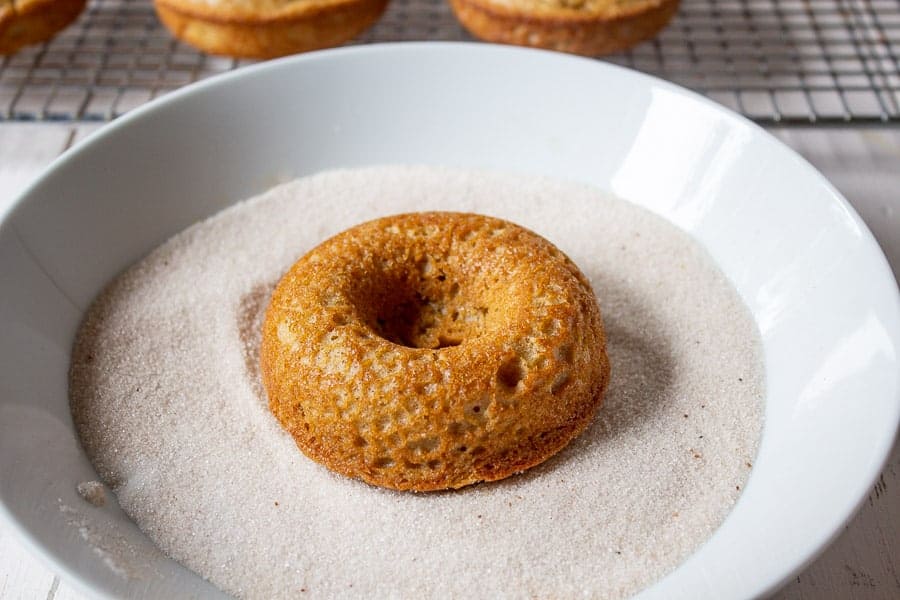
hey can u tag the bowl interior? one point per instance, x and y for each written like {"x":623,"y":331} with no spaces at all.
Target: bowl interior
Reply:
{"x":819,"y":287}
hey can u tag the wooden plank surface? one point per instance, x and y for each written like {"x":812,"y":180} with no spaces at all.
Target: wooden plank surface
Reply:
{"x":25,"y":150}
{"x":862,"y":564}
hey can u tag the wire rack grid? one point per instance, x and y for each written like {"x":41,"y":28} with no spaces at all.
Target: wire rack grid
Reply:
{"x":779,"y":62}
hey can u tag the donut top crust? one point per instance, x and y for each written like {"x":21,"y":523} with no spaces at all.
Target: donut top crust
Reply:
{"x":433,"y":350}
{"x":607,"y":9}
{"x":256,"y":10}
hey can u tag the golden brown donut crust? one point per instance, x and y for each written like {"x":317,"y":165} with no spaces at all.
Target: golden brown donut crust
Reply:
{"x":26,"y":22}
{"x":267,"y":28}
{"x":428,"y":351}
{"x":588,"y":27}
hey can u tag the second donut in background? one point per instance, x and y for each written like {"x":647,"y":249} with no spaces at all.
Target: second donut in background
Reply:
{"x":267,"y":28}
{"x":588,"y":27}
{"x":27,"y":22}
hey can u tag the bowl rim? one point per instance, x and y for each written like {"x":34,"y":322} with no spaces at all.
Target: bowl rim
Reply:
{"x":147,"y":110}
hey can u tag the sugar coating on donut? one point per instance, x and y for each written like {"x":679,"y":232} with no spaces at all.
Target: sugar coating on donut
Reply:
{"x":428,"y":351}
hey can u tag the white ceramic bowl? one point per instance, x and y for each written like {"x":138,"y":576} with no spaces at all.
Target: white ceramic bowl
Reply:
{"x":818,"y":285}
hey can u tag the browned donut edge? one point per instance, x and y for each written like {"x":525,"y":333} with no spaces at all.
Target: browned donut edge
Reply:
{"x":543,"y":448}
{"x":262,"y":35}
{"x":540,"y":450}
{"x":35,"y":21}
{"x":586,"y":34}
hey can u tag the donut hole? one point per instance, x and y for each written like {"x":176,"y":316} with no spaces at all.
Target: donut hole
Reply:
{"x":417,"y":322}
{"x":421,"y":308}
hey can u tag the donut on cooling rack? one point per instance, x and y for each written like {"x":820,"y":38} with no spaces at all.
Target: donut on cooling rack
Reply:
{"x":433,"y":350}
{"x":26,"y":22}
{"x":589,"y":27}
{"x":267,"y":28}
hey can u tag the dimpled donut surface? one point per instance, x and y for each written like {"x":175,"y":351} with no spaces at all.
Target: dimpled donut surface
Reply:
{"x":428,"y":351}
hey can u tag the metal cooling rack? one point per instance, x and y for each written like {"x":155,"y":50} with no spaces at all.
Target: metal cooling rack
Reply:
{"x":788,"y":62}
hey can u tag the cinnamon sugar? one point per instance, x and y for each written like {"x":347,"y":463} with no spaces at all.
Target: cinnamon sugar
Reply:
{"x":171,"y":412}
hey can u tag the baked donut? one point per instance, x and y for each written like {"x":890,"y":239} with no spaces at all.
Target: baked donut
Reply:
{"x":589,"y":27}
{"x":428,"y":351}
{"x":26,"y":22}
{"x":267,"y":28}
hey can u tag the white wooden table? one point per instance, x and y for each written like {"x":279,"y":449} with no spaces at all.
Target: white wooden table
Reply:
{"x":863,"y":563}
